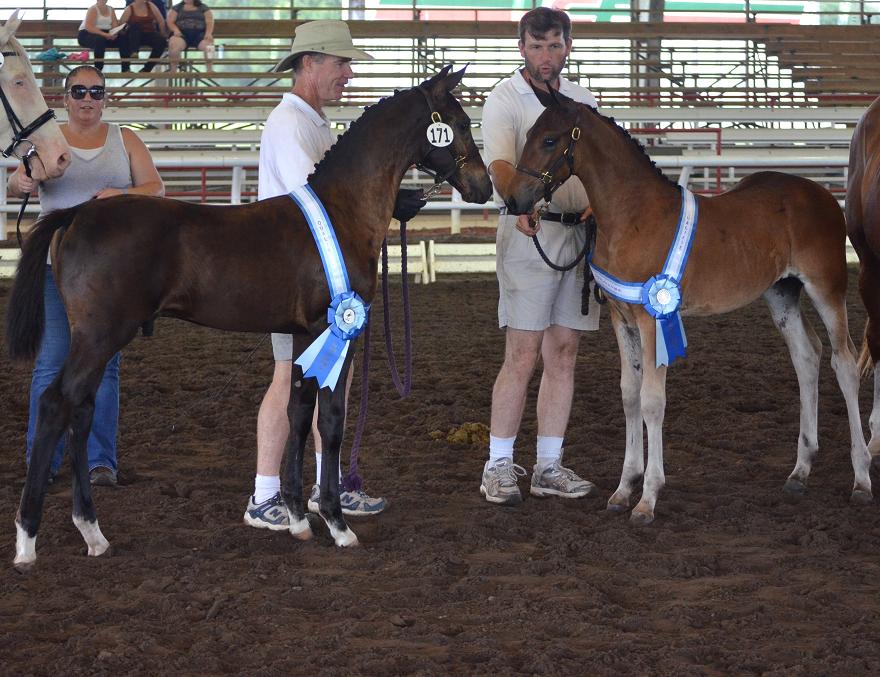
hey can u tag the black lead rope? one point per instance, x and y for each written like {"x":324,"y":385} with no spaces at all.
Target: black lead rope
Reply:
{"x":25,"y":197}
{"x":556,"y":266}
{"x":352,"y":480}
{"x":589,"y":243}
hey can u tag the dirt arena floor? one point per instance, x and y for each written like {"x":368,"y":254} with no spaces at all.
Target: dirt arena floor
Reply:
{"x":730,"y":579}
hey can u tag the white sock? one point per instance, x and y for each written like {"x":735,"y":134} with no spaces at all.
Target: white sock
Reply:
{"x":265,"y":487}
{"x":318,"y":468}
{"x":549,"y":451}
{"x":500,"y":448}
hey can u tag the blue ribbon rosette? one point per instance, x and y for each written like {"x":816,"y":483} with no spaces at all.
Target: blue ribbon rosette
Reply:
{"x":661,"y":297}
{"x":324,"y":358}
{"x":347,"y":314}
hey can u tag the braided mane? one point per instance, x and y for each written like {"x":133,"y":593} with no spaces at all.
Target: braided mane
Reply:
{"x":635,"y":142}
{"x":337,"y":154}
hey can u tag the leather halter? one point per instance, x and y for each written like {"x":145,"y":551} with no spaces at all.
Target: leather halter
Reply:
{"x":457,"y":162}
{"x":546,"y":177}
{"x":20,"y":132}
{"x":20,"y":135}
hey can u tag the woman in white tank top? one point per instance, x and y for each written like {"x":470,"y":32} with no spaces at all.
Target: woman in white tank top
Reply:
{"x":106,"y":161}
{"x":95,"y":31}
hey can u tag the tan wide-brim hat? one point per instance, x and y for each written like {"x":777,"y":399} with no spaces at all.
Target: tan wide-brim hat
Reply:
{"x":324,"y":37}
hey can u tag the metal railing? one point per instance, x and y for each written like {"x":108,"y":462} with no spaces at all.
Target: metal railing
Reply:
{"x":829,"y":168}
{"x":748,"y":11}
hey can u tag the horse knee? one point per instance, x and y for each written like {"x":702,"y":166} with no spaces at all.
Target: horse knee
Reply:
{"x":50,"y":407}
{"x":653,"y":406}
{"x":82,"y":413}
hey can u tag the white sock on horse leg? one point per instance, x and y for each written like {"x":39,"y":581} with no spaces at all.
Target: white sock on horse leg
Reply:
{"x":549,"y":451}
{"x":265,"y":487}
{"x":318,"y":456}
{"x":500,"y":448}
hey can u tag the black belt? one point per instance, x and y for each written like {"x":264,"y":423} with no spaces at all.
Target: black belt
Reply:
{"x":566,"y":218}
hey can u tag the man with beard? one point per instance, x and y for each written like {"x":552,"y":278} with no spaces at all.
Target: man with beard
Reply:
{"x":539,"y":307}
{"x":295,"y":138}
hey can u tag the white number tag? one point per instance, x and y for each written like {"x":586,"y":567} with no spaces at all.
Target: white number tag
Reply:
{"x":2,"y":60}
{"x":439,"y":134}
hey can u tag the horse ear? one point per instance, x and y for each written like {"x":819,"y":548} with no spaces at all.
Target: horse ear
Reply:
{"x":432,"y":81}
{"x":563,"y":100}
{"x":454,"y":80}
{"x":9,"y":28}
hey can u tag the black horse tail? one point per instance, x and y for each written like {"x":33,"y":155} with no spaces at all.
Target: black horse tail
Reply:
{"x":25,"y":317}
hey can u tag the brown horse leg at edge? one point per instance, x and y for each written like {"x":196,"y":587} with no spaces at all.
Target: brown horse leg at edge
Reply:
{"x":863,"y":228}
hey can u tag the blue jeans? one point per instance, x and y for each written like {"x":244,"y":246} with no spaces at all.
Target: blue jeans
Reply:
{"x":50,"y":360}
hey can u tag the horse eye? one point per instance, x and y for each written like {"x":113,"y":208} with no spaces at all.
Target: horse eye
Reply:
{"x":549,"y":142}
{"x":463,"y":126}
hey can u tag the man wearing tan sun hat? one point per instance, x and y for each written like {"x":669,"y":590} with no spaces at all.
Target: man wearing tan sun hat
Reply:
{"x":295,"y":138}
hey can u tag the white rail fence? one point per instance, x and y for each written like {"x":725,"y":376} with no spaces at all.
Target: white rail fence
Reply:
{"x":239,"y":162}
{"x":426,"y":260}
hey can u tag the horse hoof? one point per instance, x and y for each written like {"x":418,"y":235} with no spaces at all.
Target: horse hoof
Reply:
{"x":24,"y":567}
{"x":346,"y":539}
{"x":794,"y":489}
{"x":617,"y":503}
{"x":100,"y":549}
{"x":640,"y":519}
{"x":300,"y":529}
{"x":861,"y":497}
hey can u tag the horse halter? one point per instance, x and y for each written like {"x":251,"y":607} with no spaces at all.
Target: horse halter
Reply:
{"x":457,"y":162}
{"x":20,"y":132}
{"x":546,"y":177}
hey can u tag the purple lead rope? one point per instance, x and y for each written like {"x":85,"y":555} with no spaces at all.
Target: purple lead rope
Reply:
{"x":352,"y":480}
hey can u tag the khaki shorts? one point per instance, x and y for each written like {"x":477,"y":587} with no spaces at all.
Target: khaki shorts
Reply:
{"x":532,"y":295}
{"x":282,"y":347}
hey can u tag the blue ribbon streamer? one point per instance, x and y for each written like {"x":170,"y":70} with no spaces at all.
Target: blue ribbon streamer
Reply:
{"x":323,"y":359}
{"x":347,"y":314}
{"x":661,"y":295}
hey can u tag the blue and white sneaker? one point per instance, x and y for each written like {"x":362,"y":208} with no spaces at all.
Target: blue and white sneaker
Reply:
{"x":354,"y":503}
{"x":270,"y":514}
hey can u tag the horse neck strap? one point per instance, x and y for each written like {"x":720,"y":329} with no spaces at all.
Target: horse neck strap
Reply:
{"x":347,"y":314}
{"x":661,"y":295}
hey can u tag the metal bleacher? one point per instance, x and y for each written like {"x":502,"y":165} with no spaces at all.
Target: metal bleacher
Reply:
{"x":693,"y":93}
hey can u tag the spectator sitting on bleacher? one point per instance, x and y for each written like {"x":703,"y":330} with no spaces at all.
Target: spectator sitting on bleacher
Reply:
{"x":160,"y":5}
{"x":191,"y":24}
{"x":94,"y":31}
{"x":145,"y":27}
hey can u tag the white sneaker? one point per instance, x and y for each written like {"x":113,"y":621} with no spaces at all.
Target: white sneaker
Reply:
{"x":499,"y":482}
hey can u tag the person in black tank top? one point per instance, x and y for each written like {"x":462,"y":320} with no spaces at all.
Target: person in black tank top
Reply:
{"x":146,"y":27}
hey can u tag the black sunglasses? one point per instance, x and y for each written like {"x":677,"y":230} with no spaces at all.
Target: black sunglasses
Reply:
{"x":79,"y":92}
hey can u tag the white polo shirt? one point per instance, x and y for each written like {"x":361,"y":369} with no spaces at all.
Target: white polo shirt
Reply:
{"x":293,"y":141}
{"x":509,"y":112}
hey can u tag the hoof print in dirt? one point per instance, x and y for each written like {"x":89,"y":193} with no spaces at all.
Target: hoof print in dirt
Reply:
{"x":400,"y":621}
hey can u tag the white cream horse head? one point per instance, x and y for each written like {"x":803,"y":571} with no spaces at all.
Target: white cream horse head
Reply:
{"x":27,"y":126}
